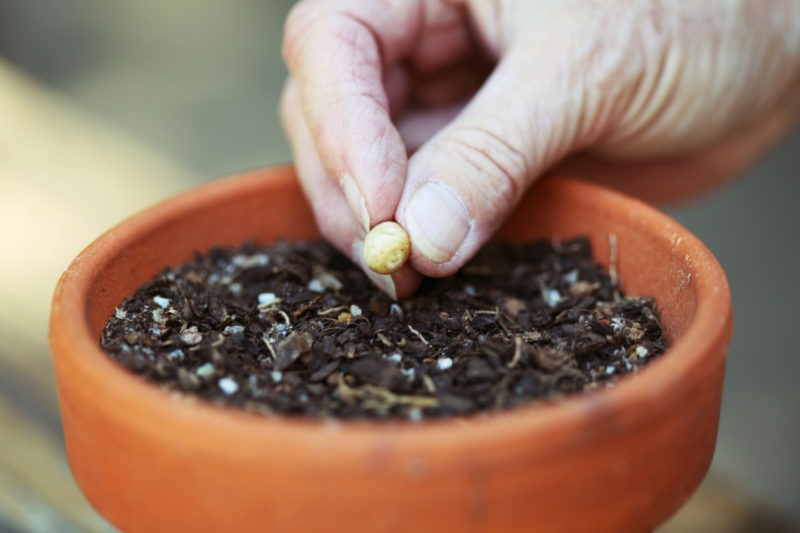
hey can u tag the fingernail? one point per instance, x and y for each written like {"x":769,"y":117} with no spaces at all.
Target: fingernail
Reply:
{"x":358,"y":205}
{"x":388,"y":285}
{"x":438,"y":221}
{"x":383,"y":282}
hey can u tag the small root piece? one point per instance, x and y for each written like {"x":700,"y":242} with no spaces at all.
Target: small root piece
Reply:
{"x":418,"y":334}
{"x":270,"y":348}
{"x":517,"y":352}
{"x":612,"y":260}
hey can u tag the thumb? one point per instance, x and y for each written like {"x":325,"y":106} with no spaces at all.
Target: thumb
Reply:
{"x":467,"y":179}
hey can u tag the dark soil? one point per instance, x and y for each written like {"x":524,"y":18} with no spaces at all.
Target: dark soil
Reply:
{"x":296,"y":328}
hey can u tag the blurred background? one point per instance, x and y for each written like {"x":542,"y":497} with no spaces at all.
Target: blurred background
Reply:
{"x":108,"y":107}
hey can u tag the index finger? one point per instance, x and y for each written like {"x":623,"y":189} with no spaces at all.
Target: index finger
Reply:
{"x":338,"y":52}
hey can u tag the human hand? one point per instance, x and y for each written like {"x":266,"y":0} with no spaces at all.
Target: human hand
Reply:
{"x":679,"y":92}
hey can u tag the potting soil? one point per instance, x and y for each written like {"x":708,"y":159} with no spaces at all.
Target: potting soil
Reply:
{"x":296,"y":328}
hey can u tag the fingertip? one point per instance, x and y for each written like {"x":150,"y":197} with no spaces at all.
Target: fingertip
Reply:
{"x":406,"y":281}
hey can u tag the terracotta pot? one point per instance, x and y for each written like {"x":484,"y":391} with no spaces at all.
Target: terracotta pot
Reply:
{"x":618,"y":459}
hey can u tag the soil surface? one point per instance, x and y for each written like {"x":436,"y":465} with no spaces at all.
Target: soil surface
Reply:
{"x":296,"y":328}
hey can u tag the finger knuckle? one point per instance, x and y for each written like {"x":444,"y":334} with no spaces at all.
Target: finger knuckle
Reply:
{"x":604,"y":42}
{"x":371,"y":130}
{"x":502,"y":168}
{"x":624,"y":73}
{"x":313,"y":29}
{"x":383,"y":141}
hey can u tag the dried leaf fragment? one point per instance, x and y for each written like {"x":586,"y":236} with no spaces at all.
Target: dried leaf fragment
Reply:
{"x":291,"y":348}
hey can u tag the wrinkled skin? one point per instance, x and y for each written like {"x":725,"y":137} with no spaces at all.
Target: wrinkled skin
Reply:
{"x":440,"y":114}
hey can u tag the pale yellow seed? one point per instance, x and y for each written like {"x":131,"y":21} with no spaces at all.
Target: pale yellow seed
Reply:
{"x":386,"y":248}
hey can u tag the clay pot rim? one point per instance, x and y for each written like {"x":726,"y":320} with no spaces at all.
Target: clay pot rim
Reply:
{"x":70,"y":332}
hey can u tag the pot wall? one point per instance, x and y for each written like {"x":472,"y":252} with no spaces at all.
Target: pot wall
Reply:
{"x":619,"y":459}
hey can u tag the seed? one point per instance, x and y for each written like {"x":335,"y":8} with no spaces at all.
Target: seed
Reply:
{"x":386,"y":248}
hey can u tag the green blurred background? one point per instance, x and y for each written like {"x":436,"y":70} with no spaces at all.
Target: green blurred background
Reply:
{"x":196,"y":85}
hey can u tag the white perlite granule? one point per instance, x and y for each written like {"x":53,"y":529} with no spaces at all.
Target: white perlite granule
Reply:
{"x":326,"y":279}
{"x":395,"y":357}
{"x":267,"y":298}
{"x":249,"y":261}
{"x":205,"y":370}
{"x":228,"y":386}
{"x":235,"y":288}
{"x":444,"y":363}
{"x":175,"y":355}
{"x":233,"y":330}
{"x":191,"y":335}
{"x":316,"y":285}
{"x":551,"y":297}
{"x":571,"y":277}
